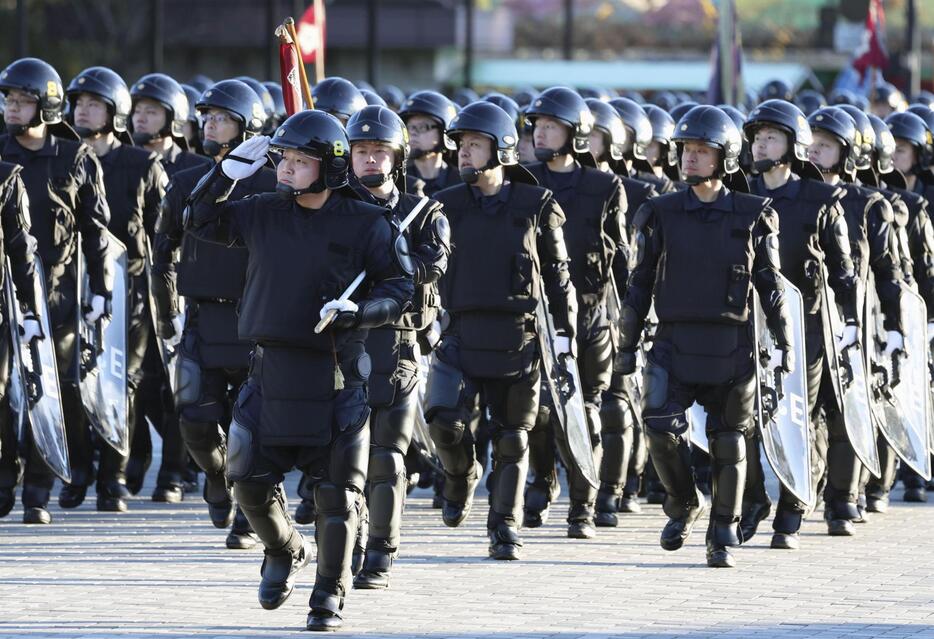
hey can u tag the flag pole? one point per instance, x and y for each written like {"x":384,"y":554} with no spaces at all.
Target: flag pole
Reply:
{"x":306,"y":90}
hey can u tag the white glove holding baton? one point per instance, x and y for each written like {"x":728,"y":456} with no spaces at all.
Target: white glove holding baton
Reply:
{"x":850,"y":336}
{"x":245,"y":160}
{"x":31,"y":329}
{"x":97,"y":306}
{"x":894,"y":342}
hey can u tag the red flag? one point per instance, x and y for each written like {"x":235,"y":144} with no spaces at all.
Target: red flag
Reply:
{"x":311,"y":33}
{"x":289,"y":76}
{"x":871,"y":52}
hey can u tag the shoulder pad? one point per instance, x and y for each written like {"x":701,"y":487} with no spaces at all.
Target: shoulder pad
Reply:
{"x":877,"y":202}
{"x":645,"y":213}
{"x":821,"y":192}
{"x":748,"y":203}
{"x":596,"y":181}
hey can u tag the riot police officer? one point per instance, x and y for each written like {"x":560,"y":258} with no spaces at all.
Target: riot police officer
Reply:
{"x":66,"y":193}
{"x":595,"y":203}
{"x":657,"y":154}
{"x":501,"y":222}
{"x":304,"y":403}
{"x":427,"y":115}
{"x":212,"y":361}
{"x":378,"y":150}
{"x":135,"y":184}
{"x":20,"y":247}
{"x":814,"y":233}
{"x":703,"y":347}
{"x":873,"y":245}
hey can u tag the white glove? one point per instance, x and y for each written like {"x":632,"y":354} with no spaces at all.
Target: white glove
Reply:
{"x":31,"y":329}
{"x":894,"y":341}
{"x":97,"y":309}
{"x":253,"y":151}
{"x":178,"y":327}
{"x":849,"y":337}
{"x":930,"y":331}
{"x":341,"y":306}
{"x":562,"y":345}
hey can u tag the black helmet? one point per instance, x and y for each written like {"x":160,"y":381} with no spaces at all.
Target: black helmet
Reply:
{"x":841,"y":96}
{"x":567,"y":106}
{"x":241,"y":101}
{"x":885,"y":145}
{"x":376,"y":123}
{"x":608,"y":122}
{"x":923,"y":97}
{"x":681,"y":109}
{"x":38,"y":78}
{"x":887,"y":93}
{"x":866,"y":139}
{"x":810,"y":101}
{"x":786,"y":117}
{"x":105,"y":84}
{"x":638,"y":126}
{"x":776,"y":90}
{"x":169,"y":93}
{"x":372,"y":98}
{"x":597,"y":93}
{"x":925,"y":113}
{"x":490,"y":120}
{"x":278,"y":101}
{"x":192,"y":94}
{"x":319,"y":135}
{"x":363,"y":85}
{"x":665,"y":100}
{"x":709,"y":125}
{"x":506,"y":103}
{"x":663,"y":127}
{"x":464,"y":96}
{"x":433,"y":105}
{"x":265,"y":98}
{"x":525,"y":96}
{"x":201,"y":82}
{"x":911,"y":128}
{"x":838,"y":123}
{"x":338,"y":96}
{"x":393,"y":96}
{"x":635,"y":96}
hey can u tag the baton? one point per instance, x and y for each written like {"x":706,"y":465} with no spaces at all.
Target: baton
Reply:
{"x":329,"y":316}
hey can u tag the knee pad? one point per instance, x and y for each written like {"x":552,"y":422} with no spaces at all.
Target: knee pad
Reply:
{"x":446,"y":432}
{"x":728,"y":448}
{"x":739,"y":405}
{"x":251,"y":495}
{"x":188,"y":381}
{"x":198,"y":434}
{"x":385,"y":464}
{"x":613,"y":415}
{"x":510,"y":445}
{"x":392,"y":426}
{"x":668,"y":418}
{"x":655,"y":391}
{"x":333,"y":499}
{"x":241,"y":451}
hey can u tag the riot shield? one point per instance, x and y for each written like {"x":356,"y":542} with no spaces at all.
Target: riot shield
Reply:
{"x":782,"y":401}
{"x":103,"y":381}
{"x":16,"y":391}
{"x":421,"y":437}
{"x":38,"y":379}
{"x":848,"y":370}
{"x":563,"y":381}
{"x":907,"y":429}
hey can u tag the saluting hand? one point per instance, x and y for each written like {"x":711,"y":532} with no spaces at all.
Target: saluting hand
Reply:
{"x":246,"y":159}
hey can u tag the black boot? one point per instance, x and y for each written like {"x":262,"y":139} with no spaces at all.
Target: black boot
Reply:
{"x":720,"y":536}
{"x":7,"y":501}
{"x":679,"y":528}
{"x":170,"y":494}
{"x":580,"y":522}
{"x":375,"y":573}
{"x":219,"y":499}
{"x":605,"y":507}
{"x":326,"y":608}
{"x":279,"y":571}
{"x":111,"y":497}
{"x":504,"y":543}
{"x":241,"y":535}
{"x":454,"y":513}
{"x":72,"y":495}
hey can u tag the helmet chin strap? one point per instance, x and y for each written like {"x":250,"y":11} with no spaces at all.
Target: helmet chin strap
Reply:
{"x":470,"y":175}
{"x":694,"y":180}
{"x":286,"y":192}
{"x":374,"y":180}
{"x":547,"y":155}
{"x":17,"y":130}
{"x":142,"y":139}
{"x":763,"y":166}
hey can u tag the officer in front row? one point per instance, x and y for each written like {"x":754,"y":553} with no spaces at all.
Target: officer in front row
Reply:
{"x":701,"y":252}
{"x":304,"y":404}
{"x":508,"y":239}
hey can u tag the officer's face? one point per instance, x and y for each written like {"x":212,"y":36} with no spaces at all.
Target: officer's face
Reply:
{"x":148,"y":116}
{"x":550,"y":133}
{"x":824,"y":150}
{"x":905,"y":155}
{"x":20,"y":107}
{"x":653,"y":153}
{"x":424,"y":133}
{"x":297,"y":169}
{"x":371,"y":158}
{"x":526,"y":149}
{"x":597,"y":143}
{"x":698,"y":159}
{"x":474,"y":151}
{"x":90,"y":112}
{"x":220,"y":126}
{"x":769,"y":144}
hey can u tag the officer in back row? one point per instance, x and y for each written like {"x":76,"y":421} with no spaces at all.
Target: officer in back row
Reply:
{"x":700,"y":253}
{"x":212,"y":361}
{"x":501,"y":223}
{"x":135,"y":184}
{"x":427,"y":116}
{"x":304,"y":402}
{"x":379,"y":148}
{"x":65,"y":186}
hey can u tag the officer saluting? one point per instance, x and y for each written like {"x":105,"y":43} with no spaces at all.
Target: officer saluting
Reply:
{"x":379,"y":146}
{"x":508,"y":239}
{"x":304,"y":404}
{"x":701,"y":251}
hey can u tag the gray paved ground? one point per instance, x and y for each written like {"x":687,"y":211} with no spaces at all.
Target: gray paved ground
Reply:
{"x":163,"y":571}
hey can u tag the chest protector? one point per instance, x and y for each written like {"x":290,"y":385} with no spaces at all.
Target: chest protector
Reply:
{"x":705,"y":270}
{"x":585,"y":207}
{"x":495,"y":264}
{"x":211,"y":271}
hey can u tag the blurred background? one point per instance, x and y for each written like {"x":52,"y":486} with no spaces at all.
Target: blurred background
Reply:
{"x":623,"y":45}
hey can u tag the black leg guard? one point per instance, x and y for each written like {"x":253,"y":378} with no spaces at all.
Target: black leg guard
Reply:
{"x":877,"y":489}
{"x":264,"y":506}
{"x":511,"y":465}
{"x":756,"y":502}
{"x":455,"y":447}
{"x":386,"y":495}
{"x":543,"y":487}
{"x":616,"y":439}
{"x":728,"y":466}
{"x":671,"y":455}
{"x":335,"y":532}
{"x":206,"y":444}
{"x":843,"y":468}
